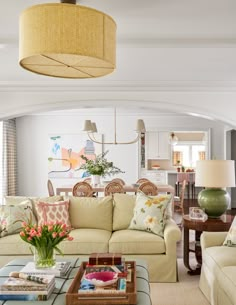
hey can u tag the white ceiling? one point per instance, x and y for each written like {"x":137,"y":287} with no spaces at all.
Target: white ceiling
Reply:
{"x":172,"y":55}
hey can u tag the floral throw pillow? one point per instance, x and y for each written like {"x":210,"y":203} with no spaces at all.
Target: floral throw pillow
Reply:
{"x":149,"y":213}
{"x":230,"y":239}
{"x":53,"y":212}
{"x":12,"y":216}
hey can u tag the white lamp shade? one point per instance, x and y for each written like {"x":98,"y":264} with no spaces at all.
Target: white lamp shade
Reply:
{"x":140,"y":127}
{"x":88,"y":126}
{"x":94,"y":127}
{"x":215,"y":173}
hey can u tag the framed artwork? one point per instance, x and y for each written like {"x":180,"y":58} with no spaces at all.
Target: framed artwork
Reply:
{"x":64,"y":156}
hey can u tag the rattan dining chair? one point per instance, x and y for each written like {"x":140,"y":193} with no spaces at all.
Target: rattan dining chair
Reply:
{"x":113,"y":187}
{"x":88,"y":180}
{"x":50,"y":188}
{"x":141,"y":180}
{"x":82,"y":189}
{"x":119,"y":180}
{"x":148,"y":188}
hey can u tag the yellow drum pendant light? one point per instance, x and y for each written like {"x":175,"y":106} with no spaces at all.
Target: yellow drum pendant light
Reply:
{"x":67,"y":40}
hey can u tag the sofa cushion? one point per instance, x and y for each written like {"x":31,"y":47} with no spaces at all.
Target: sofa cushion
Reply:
{"x":123,"y":206}
{"x":149,"y":213}
{"x":219,"y":256}
{"x":53,"y":212}
{"x":90,"y":212}
{"x":50,"y":199}
{"x":227,"y":282}
{"x":86,"y":241}
{"x":14,"y":200}
{"x":12,"y":217}
{"x":136,"y":242}
{"x":14,"y":245}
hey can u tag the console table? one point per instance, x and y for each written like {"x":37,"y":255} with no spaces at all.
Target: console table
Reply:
{"x":58,"y":296}
{"x":212,"y":225}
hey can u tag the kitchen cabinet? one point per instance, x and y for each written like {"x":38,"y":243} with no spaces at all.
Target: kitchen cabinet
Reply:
{"x":157,"y":145}
{"x":156,"y":176}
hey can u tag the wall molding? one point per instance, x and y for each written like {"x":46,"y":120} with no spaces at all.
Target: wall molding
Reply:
{"x":92,"y":85}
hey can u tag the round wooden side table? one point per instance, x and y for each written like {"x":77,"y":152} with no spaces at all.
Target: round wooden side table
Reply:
{"x":212,"y":225}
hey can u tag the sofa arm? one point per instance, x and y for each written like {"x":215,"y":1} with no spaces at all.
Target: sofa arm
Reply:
{"x":211,"y":239}
{"x":172,"y":235}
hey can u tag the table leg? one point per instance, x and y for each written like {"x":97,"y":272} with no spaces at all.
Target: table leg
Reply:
{"x":186,"y":251}
{"x":198,"y":250}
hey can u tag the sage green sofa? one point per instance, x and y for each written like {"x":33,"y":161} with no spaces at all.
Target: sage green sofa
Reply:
{"x":101,"y":225}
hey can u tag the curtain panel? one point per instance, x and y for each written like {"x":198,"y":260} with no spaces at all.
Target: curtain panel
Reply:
{"x":9,"y":159}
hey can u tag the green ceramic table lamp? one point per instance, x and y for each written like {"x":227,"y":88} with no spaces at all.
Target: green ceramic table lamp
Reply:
{"x":214,"y":176}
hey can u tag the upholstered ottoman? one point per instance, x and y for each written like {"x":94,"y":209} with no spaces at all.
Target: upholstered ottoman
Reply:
{"x":58,"y":296}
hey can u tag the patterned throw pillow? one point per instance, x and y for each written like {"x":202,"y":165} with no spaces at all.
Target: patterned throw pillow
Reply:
{"x":230,"y":239}
{"x":12,"y":216}
{"x":52,"y":212}
{"x":149,"y":213}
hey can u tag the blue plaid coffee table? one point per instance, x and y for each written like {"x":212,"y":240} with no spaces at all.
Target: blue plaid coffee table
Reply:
{"x":63,"y":283}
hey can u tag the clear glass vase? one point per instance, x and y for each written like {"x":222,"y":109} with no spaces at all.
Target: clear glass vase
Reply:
{"x":44,"y":257}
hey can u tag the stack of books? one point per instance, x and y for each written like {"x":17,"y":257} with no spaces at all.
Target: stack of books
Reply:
{"x":60,"y":269}
{"x":27,"y":287}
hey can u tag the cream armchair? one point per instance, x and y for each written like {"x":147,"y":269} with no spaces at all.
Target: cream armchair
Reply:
{"x":218,"y":273}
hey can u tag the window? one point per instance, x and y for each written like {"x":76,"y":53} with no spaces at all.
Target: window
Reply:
{"x":188,"y":154}
{"x":8,"y":158}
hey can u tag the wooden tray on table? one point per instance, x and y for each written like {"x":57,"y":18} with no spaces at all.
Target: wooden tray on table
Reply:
{"x":74,"y":297}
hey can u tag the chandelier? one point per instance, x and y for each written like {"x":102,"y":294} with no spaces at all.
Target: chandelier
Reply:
{"x":67,"y":40}
{"x":91,"y":129}
{"x":173,"y":139}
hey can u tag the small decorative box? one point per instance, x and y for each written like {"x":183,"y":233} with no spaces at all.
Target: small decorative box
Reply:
{"x":105,"y":259}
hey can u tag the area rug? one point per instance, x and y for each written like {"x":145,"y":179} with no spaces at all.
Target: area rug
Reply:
{"x":184,"y":292}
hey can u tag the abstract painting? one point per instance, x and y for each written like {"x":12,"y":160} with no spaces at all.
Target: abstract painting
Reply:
{"x":65,"y":152}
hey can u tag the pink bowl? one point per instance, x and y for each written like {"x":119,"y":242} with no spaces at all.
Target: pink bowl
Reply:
{"x":103,"y":278}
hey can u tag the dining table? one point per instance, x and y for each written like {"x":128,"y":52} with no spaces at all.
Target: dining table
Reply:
{"x":162,"y":188}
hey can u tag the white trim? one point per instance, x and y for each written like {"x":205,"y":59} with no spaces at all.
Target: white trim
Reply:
{"x":109,"y":86}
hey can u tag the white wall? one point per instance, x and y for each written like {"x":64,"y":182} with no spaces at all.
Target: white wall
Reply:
{"x":33,"y":132}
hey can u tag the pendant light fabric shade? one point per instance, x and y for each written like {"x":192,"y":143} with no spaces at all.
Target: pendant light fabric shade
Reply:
{"x":67,"y":40}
